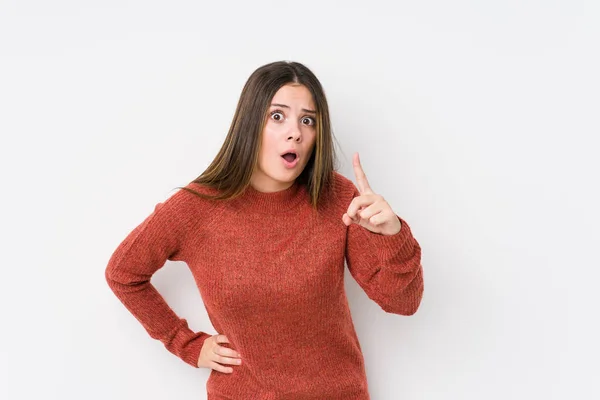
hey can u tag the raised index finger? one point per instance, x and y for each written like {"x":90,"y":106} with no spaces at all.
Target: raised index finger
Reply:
{"x":361,"y":178}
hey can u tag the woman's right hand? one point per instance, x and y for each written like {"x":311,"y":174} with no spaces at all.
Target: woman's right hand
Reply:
{"x":212,"y":355}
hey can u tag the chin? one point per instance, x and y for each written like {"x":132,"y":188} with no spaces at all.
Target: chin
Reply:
{"x":285,"y":179}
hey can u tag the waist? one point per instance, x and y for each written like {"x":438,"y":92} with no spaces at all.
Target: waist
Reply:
{"x":331,"y":372}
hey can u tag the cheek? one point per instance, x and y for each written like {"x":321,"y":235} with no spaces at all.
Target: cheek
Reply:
{"x":268,"y":144}
{"x":310,"y":136}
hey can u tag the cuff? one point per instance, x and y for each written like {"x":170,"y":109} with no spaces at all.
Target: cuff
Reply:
{"x":191,"y":352}
{"x":398,"y":246}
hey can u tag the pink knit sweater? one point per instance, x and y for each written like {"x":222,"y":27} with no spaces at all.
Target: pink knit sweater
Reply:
{"x":270,"y":271}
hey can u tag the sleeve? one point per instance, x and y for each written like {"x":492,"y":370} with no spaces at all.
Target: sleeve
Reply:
{"x":143,"y":251}
{"x":388,"y":268}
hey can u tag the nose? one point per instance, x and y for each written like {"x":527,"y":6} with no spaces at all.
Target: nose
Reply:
{"x":295,"y":132}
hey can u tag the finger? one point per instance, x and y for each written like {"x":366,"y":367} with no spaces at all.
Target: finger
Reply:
{"x":357,"y":203}
{"x":370,"y":211}
{"x":226,"y":360}
{"x":347,"y":220}
{"x":221,"y":339}
{"x":361,"y":178}
{"x":377,"y":218}
{"x":225,"y":351}
{"x":220,"y":368}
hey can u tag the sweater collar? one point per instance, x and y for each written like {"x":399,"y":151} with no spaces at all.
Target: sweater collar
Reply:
{"x":267,"y":202}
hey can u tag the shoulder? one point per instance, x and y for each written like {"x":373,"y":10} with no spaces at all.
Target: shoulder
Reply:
{"x":189,"y":194}
{"x":340,"y":193}
{"x":342,"y":186}
{"x":184,"y":203}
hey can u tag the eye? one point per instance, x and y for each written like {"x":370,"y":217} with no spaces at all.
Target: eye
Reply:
{"x":277,"y":115}
{"x":308,"y":121}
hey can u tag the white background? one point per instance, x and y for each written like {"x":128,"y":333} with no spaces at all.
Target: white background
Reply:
{"x":476,"y":120}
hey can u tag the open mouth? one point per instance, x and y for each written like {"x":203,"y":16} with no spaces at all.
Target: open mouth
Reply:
{"x":290,"y":157}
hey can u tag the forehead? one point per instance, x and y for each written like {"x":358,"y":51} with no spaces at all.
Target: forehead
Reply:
{"x":295,"y":94}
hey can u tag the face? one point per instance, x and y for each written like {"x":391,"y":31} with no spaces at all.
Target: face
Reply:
{"x":290,"y":127}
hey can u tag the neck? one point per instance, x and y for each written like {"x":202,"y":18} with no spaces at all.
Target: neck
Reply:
{"x":271,"y":188}
{"x":264,"y":183}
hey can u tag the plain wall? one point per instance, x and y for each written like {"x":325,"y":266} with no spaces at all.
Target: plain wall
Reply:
{"x":477,"y":121}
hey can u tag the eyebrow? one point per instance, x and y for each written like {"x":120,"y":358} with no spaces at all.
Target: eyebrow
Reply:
{"x":285,"y":106}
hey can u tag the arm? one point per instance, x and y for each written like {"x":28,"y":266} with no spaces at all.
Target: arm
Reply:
{"x":388,"y":268}
{"x":145,"y":250}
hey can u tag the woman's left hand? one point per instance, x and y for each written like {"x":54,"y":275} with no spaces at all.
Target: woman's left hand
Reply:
{"x":370,"y":210}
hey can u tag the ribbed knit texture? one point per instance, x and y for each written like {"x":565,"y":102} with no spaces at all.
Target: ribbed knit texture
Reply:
{"x":270,"y":271}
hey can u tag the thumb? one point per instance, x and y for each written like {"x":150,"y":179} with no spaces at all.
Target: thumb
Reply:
{"x":348,"y":220}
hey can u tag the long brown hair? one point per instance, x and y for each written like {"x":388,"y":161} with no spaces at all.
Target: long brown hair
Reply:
{"x":232,"y":168}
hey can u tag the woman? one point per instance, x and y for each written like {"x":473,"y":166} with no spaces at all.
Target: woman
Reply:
{"x":265,"y":231}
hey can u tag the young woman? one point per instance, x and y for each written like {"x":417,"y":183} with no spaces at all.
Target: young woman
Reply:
{"x":265,"y":231}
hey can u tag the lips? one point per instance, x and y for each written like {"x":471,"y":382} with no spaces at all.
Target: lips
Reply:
{"x":290,"y":155}
{"x":290,"y":159}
